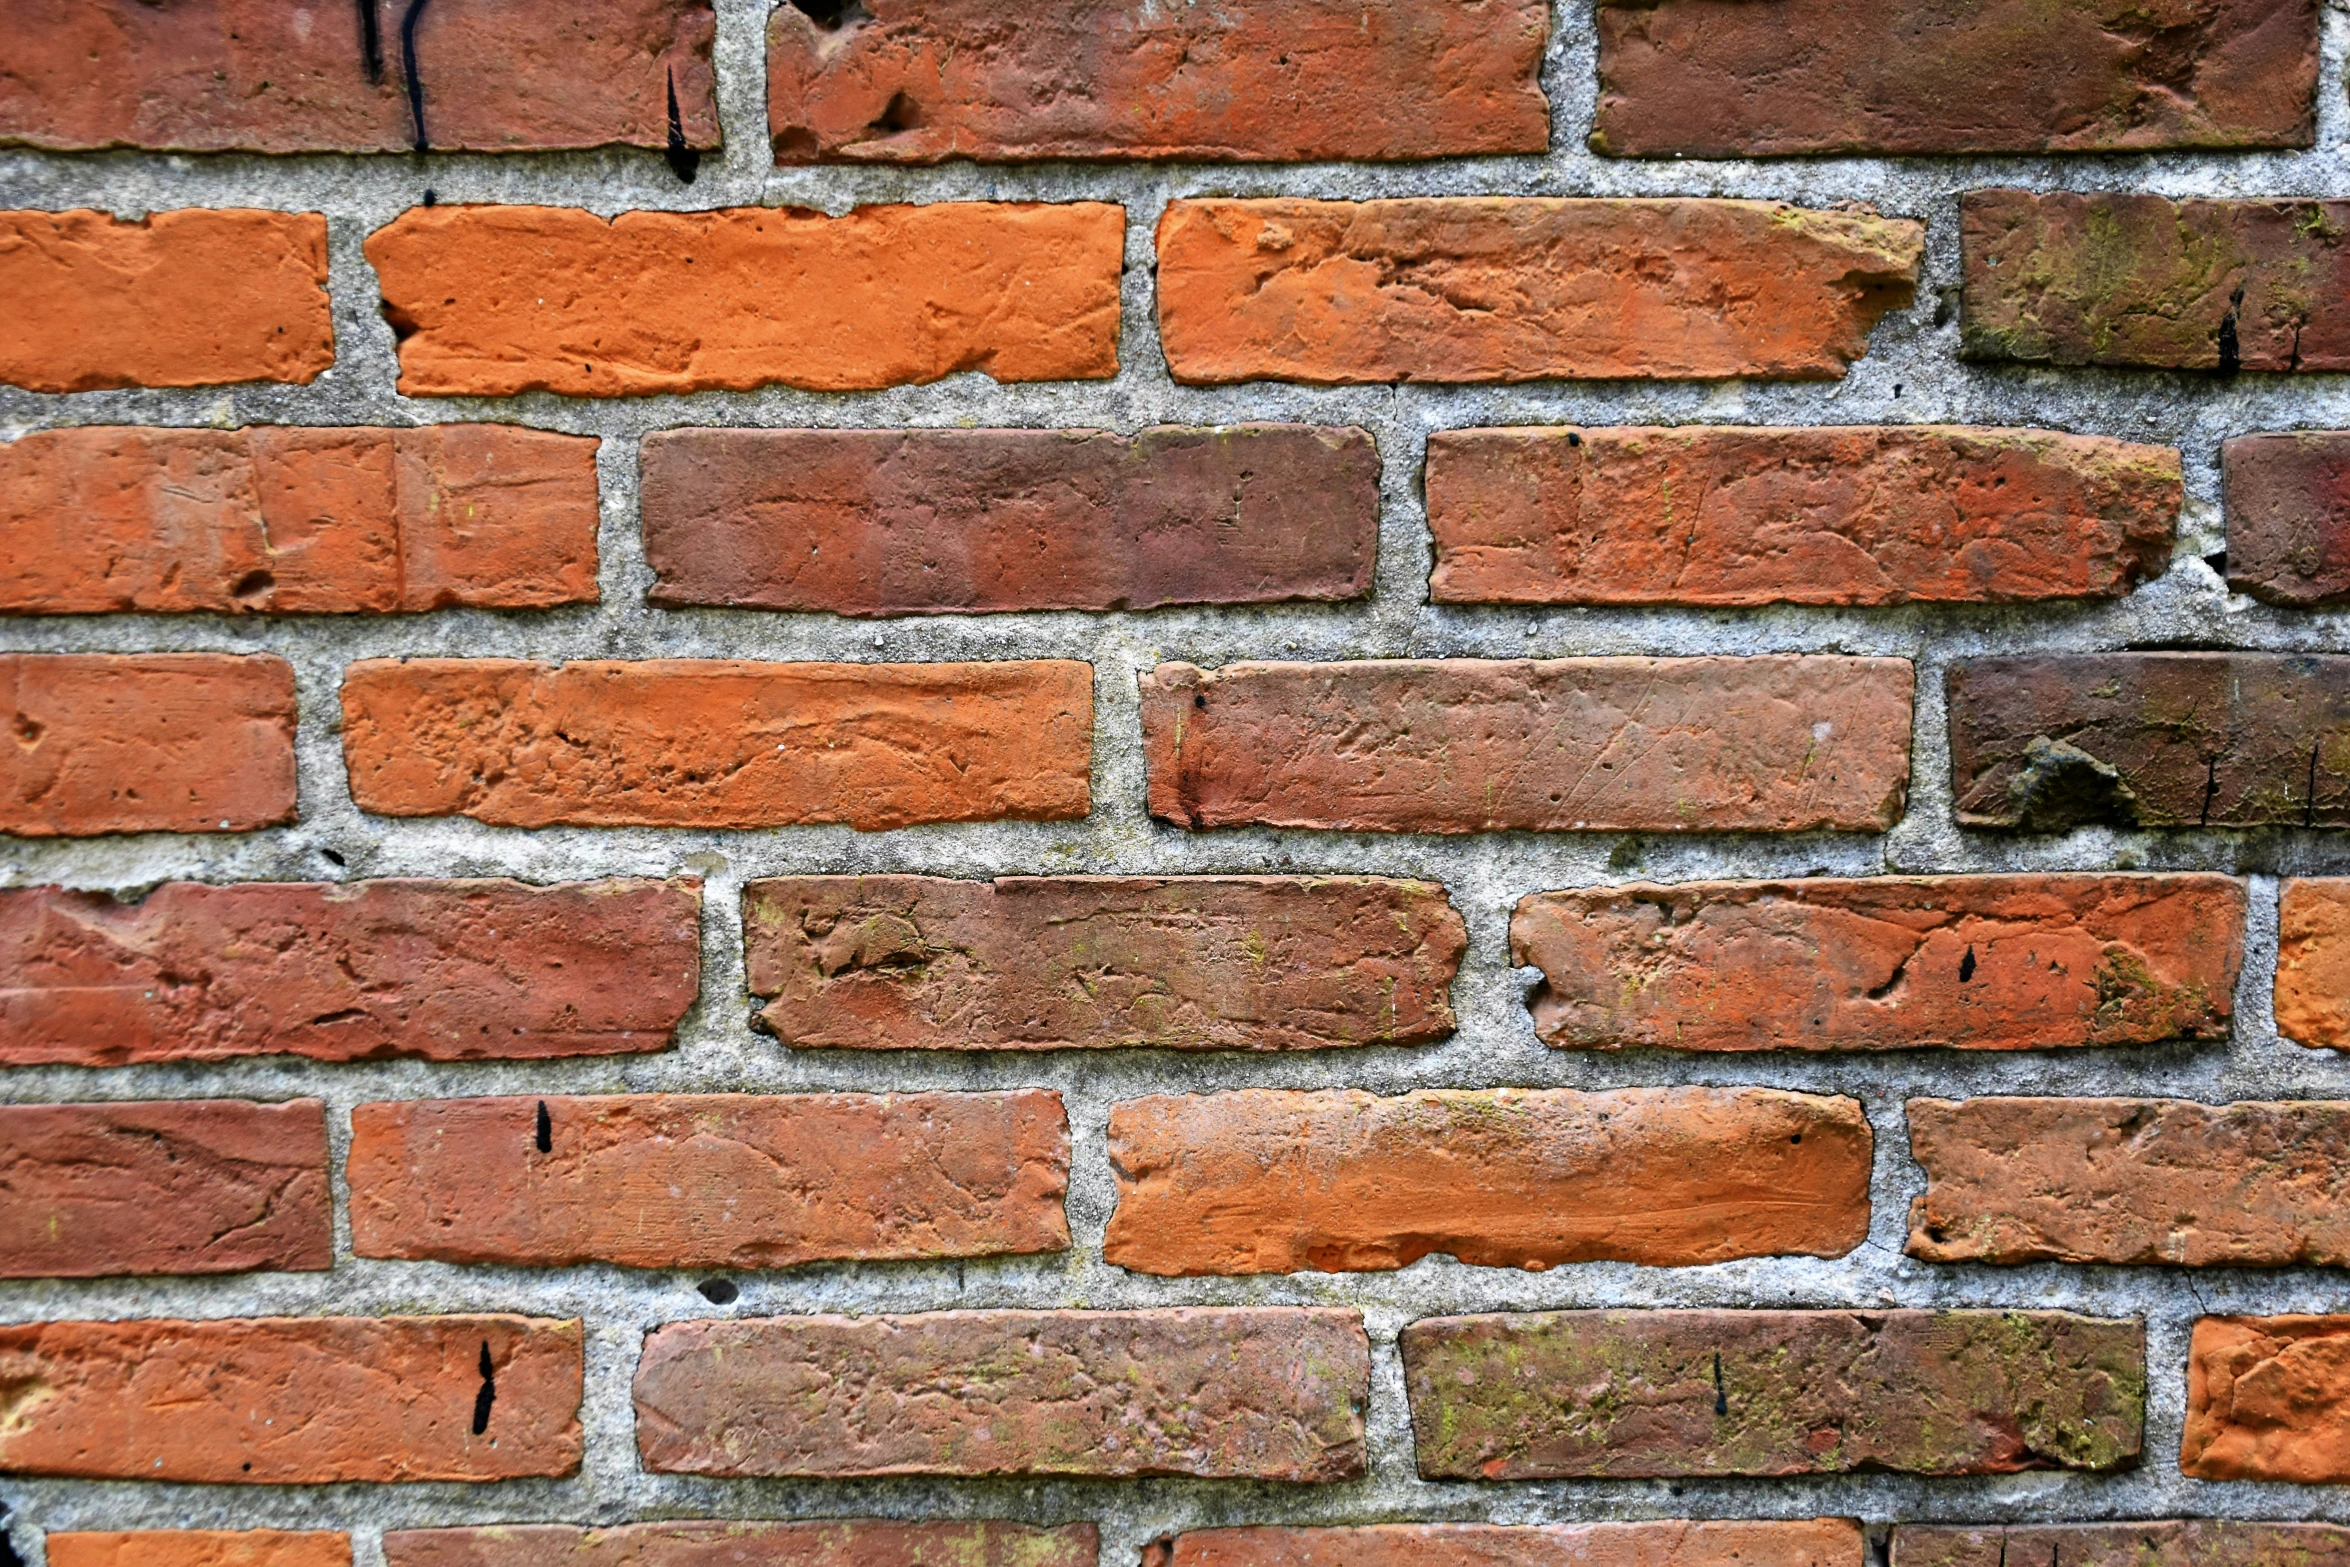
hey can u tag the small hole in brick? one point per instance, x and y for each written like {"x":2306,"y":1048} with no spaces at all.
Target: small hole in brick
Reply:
{"x":403,"y":325}
{"x":1198,"y":700}
{"x":901,"y":114}
{"x":830,"y":15}
{"x":546,"y":1136}
{"x":253,"y":583}
{"x":489,"y":1391}
{"x":1966,"y":966}
{"x":1573,"y":439}
{"x":719,"y":1292}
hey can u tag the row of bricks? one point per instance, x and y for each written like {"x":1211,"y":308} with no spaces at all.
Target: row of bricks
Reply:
{"x":1266,"y":1393}
{"x":487,"y":301}
{"x":1249,"y":1182}
{"x":474,"y":970}
{"x":105,"y":519}
{"x":204,"y":742}
{"x":893,"y":81}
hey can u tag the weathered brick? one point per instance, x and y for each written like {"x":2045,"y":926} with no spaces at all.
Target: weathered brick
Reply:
{"x":1884,"y":962}
{"x":2046,"y":742}
{"x":1631,"y":1394}
{"x":444,"y":970}
{"x":190,"y":298}
{"x":252,"y":75}
{"x":1781,"y":744}
{"x":294,"y":1400}
{"x":2180,"y":1542}
{"x":1275,"y":1181}
{"x":201,"y":1548}
{"x":718,"y":743}
{"x":710,"y":1180}
{"x":1092,"y":962}
{"x":1725,"y":79}
{"x":2130,"y":1181}
{"x":2268,"y":1398}
{"x":1270,"y":1393}
{"x":146,"y":742}
{"x":1818,"y":1542}
{"x":1888,"y":514}
{"x":899,"y":82}
{"x":2312,"y":994}
{"x":831,"y":1542}
{"x":2288,"y":509}
{"x":1496,"y":288}
{"x":911,"y":522}
{"x":2149,"y":282}
{"x":265,"y":520}
{"x":885,"y":296}
{"x":169,"y":1186}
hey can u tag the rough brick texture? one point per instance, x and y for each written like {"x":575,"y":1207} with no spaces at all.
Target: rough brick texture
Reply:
{"x":898,"y":81}
{"x":186,"y":298}
{"x":1774,"y":744}
{"x":444,"y":970}
{"x":201,"y":1548}
{"x":1876,"y":515}
{"x":2268,"y":1398}
{"x":1267,"y":1393}
{"x":2182,"y":1542}
{"x":169,"y":1186}
{"x":2145,"y":281}
{"x":214,"y":75}
{"x":1884,"y":963}
{"x":1819,"y":1542}
{"x":2288,"y":508}
{"x":1273,"y":1181}
{"x":884,"y":296}
{"x":146,"y":742}
{"x":2048,"y":742}
{"x":269,"y":520}
{"x":2130,"y":1181}
{"x":857,"y":1542}
{"x":1523,"y":289}
{"x":1728,"y":79}
{"x":2313,"y":962}
{"x":1650,"y":1393}
{"x":293,"y":1400}
{"x":910,"y":522}
{"x":1084,"y":962}
{"x":709,"y":1180}
{"x":718,"y":743}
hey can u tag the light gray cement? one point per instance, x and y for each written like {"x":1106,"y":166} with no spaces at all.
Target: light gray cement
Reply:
{"x":1911,"y":373}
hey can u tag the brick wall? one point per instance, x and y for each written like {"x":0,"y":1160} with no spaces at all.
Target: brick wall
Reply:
{"x":1178,"y":785}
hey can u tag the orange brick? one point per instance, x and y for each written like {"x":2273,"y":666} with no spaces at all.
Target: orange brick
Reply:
{"x":201,"y":1548}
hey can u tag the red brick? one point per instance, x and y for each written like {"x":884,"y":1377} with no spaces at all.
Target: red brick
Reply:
{"x":2288,"y":507}
{"x":257,"y":76}
{"x":1091,"y":962}
{"x":710,"y":1180}
{"x":267,"y":520}
{"x":2181,"y":1542}
{"x":1636,"y":1394}
{"x":1781,"y":744}
{"x":292,"y":1400}
{"x":1818,"y":1542}
{"x":2312,"y":996}
{"x":912,"y":522}
{"x":146,"y":742}
{"x":689,"y":301}
{"x":170,"y":1186}
{"x":443,"y":970}
{"x":2148,"y":282}
{"x":1267,"y":1393}
{"x":1725,"y":79}
{"x":719,"y":743}
{"x":902,"y":82}
{"x":2043,"y":743}
{"x":831,"y":1542}
{"x":2130,"y":1181}
{"x":1273,"y":1181}
{"x":1884,"y":962}
{"x":1496,"y":288}
{"x":190,"y":298}
{"x":1889,"y":514}
{"x":201,"y":1548}
{"x":2268,"y":1398}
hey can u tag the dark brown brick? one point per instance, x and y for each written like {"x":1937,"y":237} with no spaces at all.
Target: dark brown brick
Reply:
{"x":1668,"y":1542}
{"x":831,"y":1542}
{"x":2175,"y":1542}
{"x":2288,"y":508}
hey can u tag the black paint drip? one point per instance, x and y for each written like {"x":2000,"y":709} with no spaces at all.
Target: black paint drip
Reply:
{"x":488,"y":1394}
{"x":408,"y":64}
{"x":684,"y":161}
{"x":546,"y":1137}
{"x":371,"y":41}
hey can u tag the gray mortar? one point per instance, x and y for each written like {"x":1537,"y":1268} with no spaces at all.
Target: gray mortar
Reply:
{"x":1911,"y":373}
